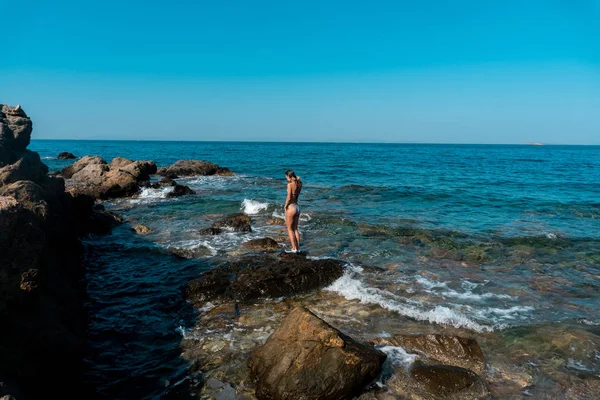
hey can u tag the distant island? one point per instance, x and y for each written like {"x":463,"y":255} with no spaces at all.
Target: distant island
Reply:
{"x":534,"y":144}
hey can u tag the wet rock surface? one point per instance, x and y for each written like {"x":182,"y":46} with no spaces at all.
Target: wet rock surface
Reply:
{"x":264,"y":276}
{"x":444,"y":382}
{"x":180,"y":190}
{"x":445,"y":349}
{"x":264,"y":244}
{"x":306,"y":358}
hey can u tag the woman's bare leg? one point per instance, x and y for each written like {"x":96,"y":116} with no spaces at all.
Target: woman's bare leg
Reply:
{"x":296,"y":232}
{"x":290,"y":215}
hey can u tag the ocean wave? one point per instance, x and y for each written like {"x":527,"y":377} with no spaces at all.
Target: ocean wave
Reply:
{"x":397,"y":356}
{"x":253,"y":207}
{"x":353,"y":289}
{"x":150,"y":194}
{"x":430,"y":285}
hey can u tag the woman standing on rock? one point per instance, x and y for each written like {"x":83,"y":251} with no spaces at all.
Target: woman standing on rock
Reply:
{"x":292,"y":210}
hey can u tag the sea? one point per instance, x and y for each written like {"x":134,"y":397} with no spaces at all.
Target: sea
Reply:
{"x":498,"y":242}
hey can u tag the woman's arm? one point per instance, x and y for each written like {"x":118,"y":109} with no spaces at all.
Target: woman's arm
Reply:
{"x":289,"y":196}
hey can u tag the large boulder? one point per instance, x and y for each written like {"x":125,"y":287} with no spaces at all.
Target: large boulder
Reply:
{"x":264,"y":276}
{"x":80,"y":164}
{"x":190,"y":168}
{"x":29,"y":194}
{"x":306,"y":358}
{"x":92,"y":176}
{"x":140,"y":170}
{"x":445,"y":349}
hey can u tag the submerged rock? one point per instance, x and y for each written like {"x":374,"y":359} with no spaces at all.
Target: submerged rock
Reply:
{"x":239,"y":222}
{"x":180,"y":190}
{"x":141,"y":229}
{"x":306,"y":358}
{"x":450,"y":350}
{"x":190,"y":168}
{"x":264,"y":276}
{"x":65,"y":155}
{"x":264,"y":244}
{"x":275,"y":221}
{"x":428,"y":382}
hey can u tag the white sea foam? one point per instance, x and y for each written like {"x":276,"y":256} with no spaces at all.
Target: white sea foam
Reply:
{"x":253,"y":207}
{"x":397,"y":356}
{"x":354,"y":289}
{"x":468,"y":294}
{"x":151,"y":194}
{"x":48,"y":158}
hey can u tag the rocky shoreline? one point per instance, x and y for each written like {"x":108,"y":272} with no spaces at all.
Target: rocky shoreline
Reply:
{"x":265,"y":328}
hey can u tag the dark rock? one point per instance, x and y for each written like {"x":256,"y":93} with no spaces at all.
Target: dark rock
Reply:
{"x":210,"y":231}
{"x":103,"y":222}
{"x":65,"y":155}
{"x":306,"y":358}
{"x":236,"y":222}
{"x":166,"y":181}
{"x":191,"y":252}
{"x":264,"y":244}
{"x":256,"y":277}
{"x":180,"y":190}
{"x":41,"y":276}
{"x":189,"y":168}
{"x":425,"y":382}
{"x":27,"y":166}
{"x":450,"y":350}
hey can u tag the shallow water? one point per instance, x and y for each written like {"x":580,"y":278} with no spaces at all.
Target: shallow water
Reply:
{"x":500,"y":242}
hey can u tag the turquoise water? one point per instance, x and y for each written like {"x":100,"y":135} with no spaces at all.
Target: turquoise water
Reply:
{"x":482,"y":238}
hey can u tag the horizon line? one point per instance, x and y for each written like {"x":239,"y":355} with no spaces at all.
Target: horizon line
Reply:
{"x":533,"y":144}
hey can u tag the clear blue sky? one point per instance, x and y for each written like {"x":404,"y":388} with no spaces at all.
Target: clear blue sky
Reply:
{"x":392,"y":71}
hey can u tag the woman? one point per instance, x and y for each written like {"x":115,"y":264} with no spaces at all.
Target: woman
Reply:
{"x":292,"y":210}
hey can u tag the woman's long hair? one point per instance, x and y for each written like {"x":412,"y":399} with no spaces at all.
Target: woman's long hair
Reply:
{"x":292,"y":175}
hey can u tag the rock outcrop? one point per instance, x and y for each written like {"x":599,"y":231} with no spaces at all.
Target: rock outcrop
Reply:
{"x":141,"y":229}
{"x":91,"y":175}
{"x":263,"y":276}
{"x":41,"y":305}
{"x":65,"y":155}
{"x":193,"y":168}
{"x":306,"y":358}
{"x":238,"y":222}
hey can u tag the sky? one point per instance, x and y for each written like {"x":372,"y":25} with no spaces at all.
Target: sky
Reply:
{"x":341,"y":71}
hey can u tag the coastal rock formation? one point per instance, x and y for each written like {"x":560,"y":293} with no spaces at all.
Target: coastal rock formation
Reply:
{"x":306,"y":358}
{"x":264,"y":244}
{"x":41,"y":305}
{"x":92,"y":176}
{"x":65,"y":155}
{"x":193,"y":168}
{"x":449,"y":350}
{"x":256,"y":277}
